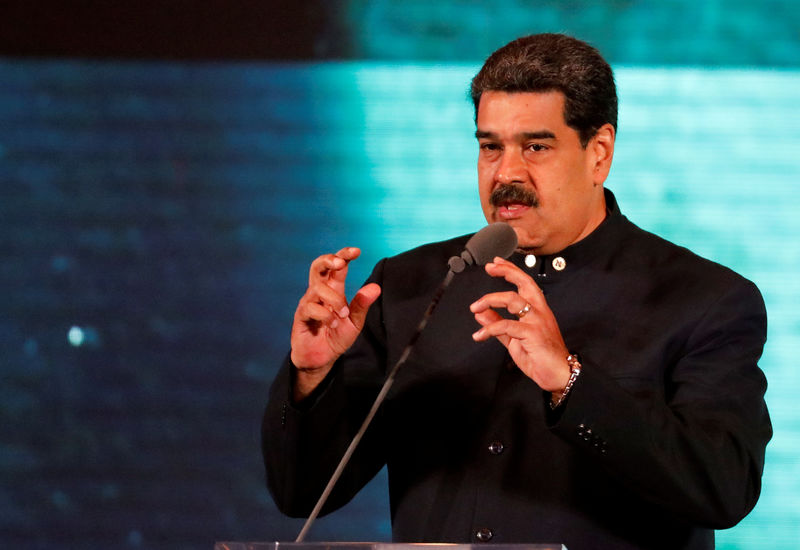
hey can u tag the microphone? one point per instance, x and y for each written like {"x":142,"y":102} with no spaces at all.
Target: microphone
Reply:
{"x":496,"y":239}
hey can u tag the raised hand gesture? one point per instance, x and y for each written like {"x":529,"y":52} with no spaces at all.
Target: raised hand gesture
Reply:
{"x":325,"y":325}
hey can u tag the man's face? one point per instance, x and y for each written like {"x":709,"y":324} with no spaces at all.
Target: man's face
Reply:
{"x":533,"y":172}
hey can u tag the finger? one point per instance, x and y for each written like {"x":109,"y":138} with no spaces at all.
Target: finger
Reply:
{"x":511,"y":301}
{"x":317,"y":313}
{"x":333,"y":265}
{"x":486,"y":318}
{"x":363,"y":299}
{"x":526,"y":286}
{"x":502,"y":328}
{"x":328,"y":297}
{"x":323,"y":265}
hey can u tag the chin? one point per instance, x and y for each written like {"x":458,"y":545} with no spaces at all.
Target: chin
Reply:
{"x":524,"y":239}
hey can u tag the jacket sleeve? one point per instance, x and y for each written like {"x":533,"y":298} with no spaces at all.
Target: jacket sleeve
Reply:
{"x":698,"y":449}
{"x":303,"y":443}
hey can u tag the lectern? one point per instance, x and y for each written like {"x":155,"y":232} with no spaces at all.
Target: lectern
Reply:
{"x":377,"y":546}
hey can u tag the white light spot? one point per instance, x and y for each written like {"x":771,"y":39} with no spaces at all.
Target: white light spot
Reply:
{"x":76,"y":336}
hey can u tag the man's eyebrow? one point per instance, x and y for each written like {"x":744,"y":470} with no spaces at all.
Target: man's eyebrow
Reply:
{"x":540,"y":134}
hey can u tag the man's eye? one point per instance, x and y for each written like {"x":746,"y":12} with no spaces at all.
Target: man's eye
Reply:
{"x":489,"y":146}
{"x":536,"y":147}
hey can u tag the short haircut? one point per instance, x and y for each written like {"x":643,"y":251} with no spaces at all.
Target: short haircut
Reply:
{"x":554,"y":62}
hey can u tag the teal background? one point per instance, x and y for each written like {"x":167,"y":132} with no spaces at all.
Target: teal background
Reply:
{"x":169,"y":210}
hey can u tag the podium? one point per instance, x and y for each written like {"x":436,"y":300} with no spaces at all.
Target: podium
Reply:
{"x":377,"y":546}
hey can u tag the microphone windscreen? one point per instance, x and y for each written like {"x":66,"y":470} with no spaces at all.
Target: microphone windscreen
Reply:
{"x":496,"y":239}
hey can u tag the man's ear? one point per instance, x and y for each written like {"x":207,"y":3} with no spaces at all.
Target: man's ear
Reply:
{"x":602,"y":145}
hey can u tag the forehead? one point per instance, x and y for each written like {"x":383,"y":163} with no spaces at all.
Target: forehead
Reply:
{"x":524,"y":111}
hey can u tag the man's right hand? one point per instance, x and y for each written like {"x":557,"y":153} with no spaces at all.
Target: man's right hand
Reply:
{"x":325,"y":326}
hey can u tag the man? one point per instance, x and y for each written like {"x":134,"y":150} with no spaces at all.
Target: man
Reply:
{"x":599,"y":389}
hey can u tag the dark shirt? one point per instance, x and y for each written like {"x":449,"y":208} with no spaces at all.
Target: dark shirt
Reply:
{"x":661,"y":440}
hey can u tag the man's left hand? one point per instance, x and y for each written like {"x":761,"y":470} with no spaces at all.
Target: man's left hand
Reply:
{"x":533,"y":339}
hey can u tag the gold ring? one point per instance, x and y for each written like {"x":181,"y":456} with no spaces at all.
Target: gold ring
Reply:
{"x":521,"y":313}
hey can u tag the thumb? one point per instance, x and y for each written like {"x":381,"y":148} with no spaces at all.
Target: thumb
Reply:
{"x":361,"y":302}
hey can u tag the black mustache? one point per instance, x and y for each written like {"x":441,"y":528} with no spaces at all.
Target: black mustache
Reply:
{"x":513,"y":194}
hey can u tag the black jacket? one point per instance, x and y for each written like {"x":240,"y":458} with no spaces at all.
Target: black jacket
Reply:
{"x":661,"y":441}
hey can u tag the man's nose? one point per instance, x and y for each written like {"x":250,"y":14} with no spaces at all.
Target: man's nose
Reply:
{"x":511,"y":168}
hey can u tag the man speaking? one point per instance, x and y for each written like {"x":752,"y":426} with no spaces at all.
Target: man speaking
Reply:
{"x":599,"y":388}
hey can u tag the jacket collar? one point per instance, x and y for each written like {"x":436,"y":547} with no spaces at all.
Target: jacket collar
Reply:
{"x":598,"y":243}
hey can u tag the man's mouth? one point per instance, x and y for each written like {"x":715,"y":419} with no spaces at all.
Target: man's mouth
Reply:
{"x":511,"y":211}
{"x":512,"y":201}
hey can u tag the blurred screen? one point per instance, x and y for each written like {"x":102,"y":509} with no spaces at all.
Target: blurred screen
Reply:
{"x":157,"y":220}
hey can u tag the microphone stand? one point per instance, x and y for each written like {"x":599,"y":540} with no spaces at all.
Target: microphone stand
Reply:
{"x":496,"y":239}
{"x":378,"y":400}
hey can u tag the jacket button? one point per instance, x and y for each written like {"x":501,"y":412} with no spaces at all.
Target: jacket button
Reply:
{"x":496,"y":447}
{"x":484,"y":534}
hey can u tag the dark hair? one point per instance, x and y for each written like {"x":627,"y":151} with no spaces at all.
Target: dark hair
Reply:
{"x":554,"y":62}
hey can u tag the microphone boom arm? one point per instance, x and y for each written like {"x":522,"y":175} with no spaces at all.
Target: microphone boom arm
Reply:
{"x":496,"y":239}
{"x":375,"y":406}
